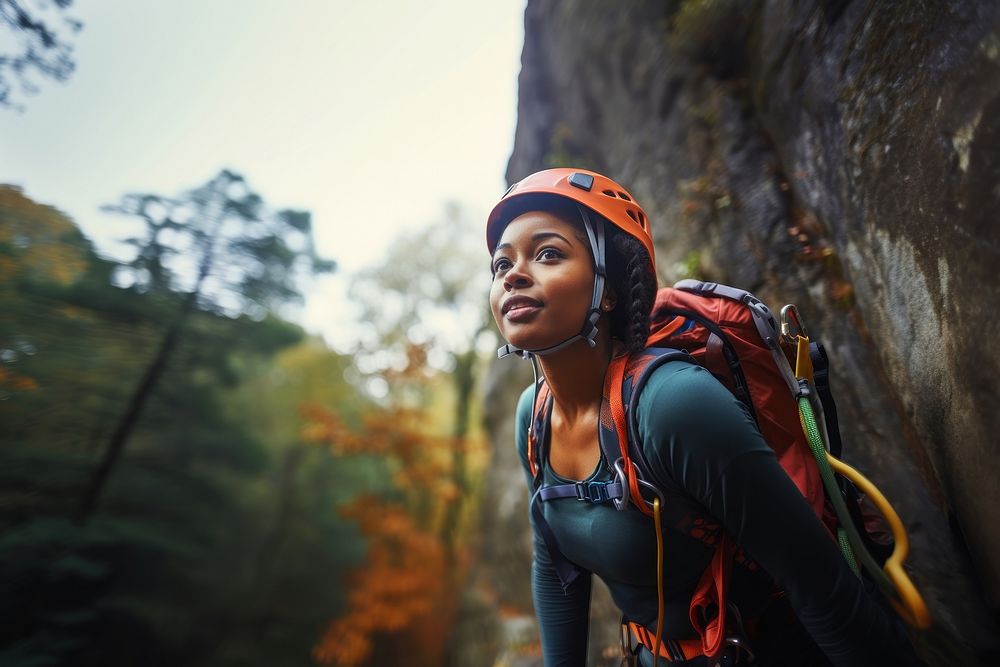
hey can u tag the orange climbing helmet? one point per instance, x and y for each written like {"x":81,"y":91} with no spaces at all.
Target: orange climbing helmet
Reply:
{"x":598,"y":193}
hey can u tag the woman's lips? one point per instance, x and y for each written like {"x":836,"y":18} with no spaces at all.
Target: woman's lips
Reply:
{"x":521,"y":313}
{"x":520,"y":308}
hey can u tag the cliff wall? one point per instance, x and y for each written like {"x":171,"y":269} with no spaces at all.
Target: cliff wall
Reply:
{"x":844,"y":156}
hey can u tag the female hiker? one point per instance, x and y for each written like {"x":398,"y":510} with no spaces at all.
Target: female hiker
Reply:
{"x":573,"y":285}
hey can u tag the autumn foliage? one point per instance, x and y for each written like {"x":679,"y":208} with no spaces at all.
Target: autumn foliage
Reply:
{"x":237,"y":527}
{"x":401,"y":600}
{"x":397,"y":597}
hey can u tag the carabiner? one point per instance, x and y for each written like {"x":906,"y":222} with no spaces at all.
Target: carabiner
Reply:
{"x":733,"y":650}
{"x":656,"y":492}
{"x":791,"y":312}
{"x":622,"y":503}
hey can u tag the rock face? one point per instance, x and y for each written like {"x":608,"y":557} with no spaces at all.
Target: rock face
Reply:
{"x":844,"y":156}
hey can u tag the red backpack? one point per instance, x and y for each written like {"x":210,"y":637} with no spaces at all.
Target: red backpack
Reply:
{"x":733,"y":335}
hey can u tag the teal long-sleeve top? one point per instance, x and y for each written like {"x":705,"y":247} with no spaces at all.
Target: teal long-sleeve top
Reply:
{"x":703,"y":448}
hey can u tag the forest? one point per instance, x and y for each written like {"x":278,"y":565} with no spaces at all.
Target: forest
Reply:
{"x":190,"y":479}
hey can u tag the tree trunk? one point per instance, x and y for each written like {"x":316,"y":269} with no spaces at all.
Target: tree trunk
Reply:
{"x":131,"y":415}
{"x":464,"y":380}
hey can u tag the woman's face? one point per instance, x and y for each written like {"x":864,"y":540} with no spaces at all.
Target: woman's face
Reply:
{"x":543,"y":281}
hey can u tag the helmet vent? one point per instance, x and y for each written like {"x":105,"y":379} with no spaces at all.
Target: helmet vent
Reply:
{"x":631,"y":214}
{"x":624,"y":196}
{"x":610,"y":193}
{"x":642,"y":220}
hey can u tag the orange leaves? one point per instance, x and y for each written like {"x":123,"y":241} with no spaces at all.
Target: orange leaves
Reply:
{"x":394,"y":433}
{"x":401,"y":584}
{"x":402,"y":599}
{"x":384,"y":433}
{"x":12,"y":381}
{"x":327,"y":428}
{"x":343,"y":645}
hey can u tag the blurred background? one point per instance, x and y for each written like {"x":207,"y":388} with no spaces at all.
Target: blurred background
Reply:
{"x":242,"y":323}
{"x":250,"y":411}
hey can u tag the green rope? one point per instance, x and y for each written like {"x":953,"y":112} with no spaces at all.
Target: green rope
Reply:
{"x":845,"y":547}
{"x":833,"y":493}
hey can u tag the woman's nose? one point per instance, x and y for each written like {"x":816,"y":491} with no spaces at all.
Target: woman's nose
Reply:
{"x":516,"y":277}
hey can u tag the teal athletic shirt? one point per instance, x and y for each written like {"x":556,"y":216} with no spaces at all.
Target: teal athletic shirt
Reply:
{"x":704,"y":449}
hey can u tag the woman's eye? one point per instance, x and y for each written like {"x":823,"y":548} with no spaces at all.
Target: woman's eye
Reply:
{"x":501,"y":265}
{"x":549,"y":253}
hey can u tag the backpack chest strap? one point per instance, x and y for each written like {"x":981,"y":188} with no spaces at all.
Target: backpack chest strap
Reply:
{"x":595,"y":492}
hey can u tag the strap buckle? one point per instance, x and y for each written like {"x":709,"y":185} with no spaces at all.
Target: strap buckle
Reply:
{"x":595,"y":492}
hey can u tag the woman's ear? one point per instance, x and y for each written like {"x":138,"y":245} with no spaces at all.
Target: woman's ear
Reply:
{"x":609,"y":300}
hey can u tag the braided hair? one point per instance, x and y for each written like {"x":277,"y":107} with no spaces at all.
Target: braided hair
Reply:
{"x":633,"y":284}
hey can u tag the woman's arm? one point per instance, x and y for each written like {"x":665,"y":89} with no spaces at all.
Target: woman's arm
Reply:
{"x":697,"y":434}
{"x":563,"y":617}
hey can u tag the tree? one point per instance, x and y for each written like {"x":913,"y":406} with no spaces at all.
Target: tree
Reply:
{"x":425,"y":294}
{"x":401,"y":602}
{"x":215,"y":543}
{"x":38,"y":244}
{"x":427,"y":312}
{"x":221,"y":249}
{"x":43,"y":34}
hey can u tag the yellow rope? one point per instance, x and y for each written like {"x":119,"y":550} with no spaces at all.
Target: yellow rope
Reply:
{"x":659,"y":581}
{"x":911,"y":605}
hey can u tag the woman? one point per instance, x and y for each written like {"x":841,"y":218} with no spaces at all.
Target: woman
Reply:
{"x":573,"y":285}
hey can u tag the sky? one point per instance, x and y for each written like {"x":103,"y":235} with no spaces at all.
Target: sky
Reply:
{"x":371,"y":115}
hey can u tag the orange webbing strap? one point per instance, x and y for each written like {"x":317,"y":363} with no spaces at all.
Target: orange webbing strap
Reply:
{"x":613,"y":388}
{"x":675,"y":650}
{"x":536,"y":413}
{"x":711,"y":593}
{"x":665,"y":332}
{"x":531,"y":453}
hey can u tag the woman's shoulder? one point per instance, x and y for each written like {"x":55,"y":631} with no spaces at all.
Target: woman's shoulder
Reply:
{"x":681,"y":396}
{"x":685,"y":383}
{"x":691,"y":427}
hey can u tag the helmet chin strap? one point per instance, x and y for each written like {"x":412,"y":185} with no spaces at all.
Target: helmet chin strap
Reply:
{"x":588,"y":332}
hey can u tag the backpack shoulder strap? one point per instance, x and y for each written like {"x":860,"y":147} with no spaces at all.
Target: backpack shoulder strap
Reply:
{"x":626,"y":376}
{"x":538,"y":442}
{"x":537,"y":430}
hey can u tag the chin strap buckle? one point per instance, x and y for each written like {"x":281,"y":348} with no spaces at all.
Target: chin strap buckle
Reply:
{"x":508,"y":349}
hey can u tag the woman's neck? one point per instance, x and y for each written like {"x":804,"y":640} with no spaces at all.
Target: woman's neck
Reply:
{"x":575,"y":375}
